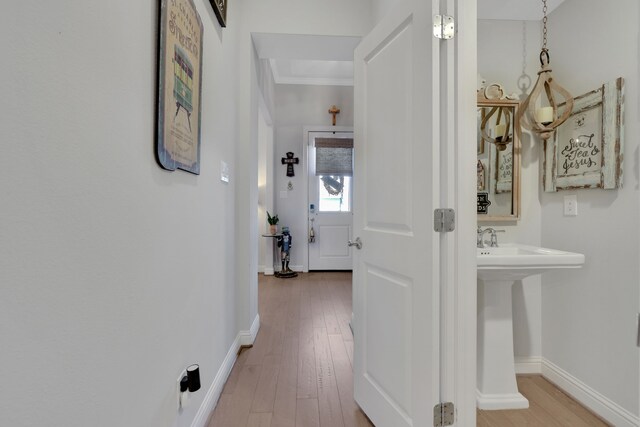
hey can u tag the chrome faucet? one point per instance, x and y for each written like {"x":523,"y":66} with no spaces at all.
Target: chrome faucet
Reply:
{"x":480,"y":236}
{"x":494,"y":237}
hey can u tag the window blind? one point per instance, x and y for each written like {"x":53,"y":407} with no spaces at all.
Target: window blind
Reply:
{"x":334,"y":156}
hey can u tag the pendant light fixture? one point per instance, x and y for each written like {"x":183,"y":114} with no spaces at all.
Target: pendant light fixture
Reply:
{"x":537,"y":114}
{"x":501,"y":130}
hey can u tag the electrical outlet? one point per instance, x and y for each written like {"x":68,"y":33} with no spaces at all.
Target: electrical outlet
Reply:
{"x":571,"y":205}
{"x":224,"y":171}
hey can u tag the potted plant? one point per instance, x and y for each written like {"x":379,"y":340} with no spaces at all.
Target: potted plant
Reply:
{"x":273,"y":223}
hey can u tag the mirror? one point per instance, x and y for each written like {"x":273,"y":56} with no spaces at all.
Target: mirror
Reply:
{"x":498,"y":165}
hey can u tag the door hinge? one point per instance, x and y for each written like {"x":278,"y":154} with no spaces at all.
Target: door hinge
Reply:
{"x":443,"y":414}
{"x":444,"y":220}
{"x":444,"y":27}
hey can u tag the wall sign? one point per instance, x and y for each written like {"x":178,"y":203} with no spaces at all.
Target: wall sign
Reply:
{"x":180,"y":86}
{"x":588,"y":149}
{"x":483,"y":203}
{"x":504,"y":171}
{"x":220,"y":9}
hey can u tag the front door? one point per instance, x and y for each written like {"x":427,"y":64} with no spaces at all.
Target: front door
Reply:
{"x":330,"y":200}
{"x":397,"y":270}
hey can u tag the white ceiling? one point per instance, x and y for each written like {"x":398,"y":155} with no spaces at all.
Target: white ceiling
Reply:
{"x":327,"y":60}
{"x":514,"y":10}
{"x":308,"y":59}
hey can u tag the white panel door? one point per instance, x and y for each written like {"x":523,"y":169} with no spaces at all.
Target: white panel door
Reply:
{"x":331,"y":217}
{"x":396,"y":272}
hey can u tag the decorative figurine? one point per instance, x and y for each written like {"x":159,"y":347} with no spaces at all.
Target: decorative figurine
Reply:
{"x":284,"y":243}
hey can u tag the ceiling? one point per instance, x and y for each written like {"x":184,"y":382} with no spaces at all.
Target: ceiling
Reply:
{"x":327,"y":60}
{"x":514,"y":10}
{"x":308,"y":59}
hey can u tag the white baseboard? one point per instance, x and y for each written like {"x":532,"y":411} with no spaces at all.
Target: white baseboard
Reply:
{"x":596,"y":402}
{"x":268,"y":271}
{"x":528,"y":365}
{"x":213,"y":394}
{"x":248,"y":337}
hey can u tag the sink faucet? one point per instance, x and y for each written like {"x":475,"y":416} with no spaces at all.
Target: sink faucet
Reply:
{"x":494,"y":237}
{"x":481,"y":232}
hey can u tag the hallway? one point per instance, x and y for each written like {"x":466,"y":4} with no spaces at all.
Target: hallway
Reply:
{"x":299,"y":371}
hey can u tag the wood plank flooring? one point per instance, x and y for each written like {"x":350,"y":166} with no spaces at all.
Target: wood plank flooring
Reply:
{"x":299,"y":371}
{"x":548,"y":407}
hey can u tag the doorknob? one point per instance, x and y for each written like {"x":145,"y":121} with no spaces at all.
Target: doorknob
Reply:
{"x":357,"y":243}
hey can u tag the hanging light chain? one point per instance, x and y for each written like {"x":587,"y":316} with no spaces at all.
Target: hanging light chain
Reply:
{"x":544,"y":25}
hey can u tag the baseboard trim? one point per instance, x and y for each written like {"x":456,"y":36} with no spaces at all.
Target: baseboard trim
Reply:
{"x":213,"y":394}
{"x":596,"y":402}
{"x":248,"y":337}
{"x":268,"y":271}
{"x":528,"y":365}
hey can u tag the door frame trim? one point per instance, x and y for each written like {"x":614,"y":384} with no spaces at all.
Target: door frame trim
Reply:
{"x":305,"y":170}
{"x":464,"y":290}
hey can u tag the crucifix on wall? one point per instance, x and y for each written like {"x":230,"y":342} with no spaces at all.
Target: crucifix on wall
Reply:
{"x":334,"y":111}
{"x":290,"y":161}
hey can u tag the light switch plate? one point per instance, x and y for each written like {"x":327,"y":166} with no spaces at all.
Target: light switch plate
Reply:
{"x":284,"y":194}
{"x":571,"y":205}
{"x":224,"y":171}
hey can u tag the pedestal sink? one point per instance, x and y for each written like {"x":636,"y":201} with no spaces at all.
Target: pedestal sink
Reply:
{"x":498,"y":269}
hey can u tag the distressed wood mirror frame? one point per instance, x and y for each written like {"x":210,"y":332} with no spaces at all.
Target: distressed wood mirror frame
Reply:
{"x":587,"y":151}
{"x":487,"y":150}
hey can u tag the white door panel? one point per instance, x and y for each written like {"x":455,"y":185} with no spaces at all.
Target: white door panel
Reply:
{"x":332,"y":240}
{"x":396,"y":273}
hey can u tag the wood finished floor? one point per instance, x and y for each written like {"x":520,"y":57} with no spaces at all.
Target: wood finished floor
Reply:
{"x":548,"y":407}
{"x":299,"y":371}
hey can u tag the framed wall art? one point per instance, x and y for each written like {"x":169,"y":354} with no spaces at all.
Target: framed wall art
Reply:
{"x":179,"y":86}
{"x":587,"y":150}
{"x":503,"y":170}
{"x":220,"y":9}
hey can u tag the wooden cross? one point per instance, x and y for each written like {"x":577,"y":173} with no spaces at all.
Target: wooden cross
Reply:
{"x":290,"y":161}
{"x":334,"y":111}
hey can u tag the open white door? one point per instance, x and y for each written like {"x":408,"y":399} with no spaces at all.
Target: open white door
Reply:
{"x":396,"y":175}
{"x":414,"y":115}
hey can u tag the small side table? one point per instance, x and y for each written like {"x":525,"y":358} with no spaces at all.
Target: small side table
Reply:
{"x":275,"y":254}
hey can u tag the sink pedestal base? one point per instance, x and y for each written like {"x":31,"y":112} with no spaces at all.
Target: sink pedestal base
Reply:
{"x":497,"y":387}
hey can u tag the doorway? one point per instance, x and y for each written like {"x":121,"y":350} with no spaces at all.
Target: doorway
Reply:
{"x":330,"y":199}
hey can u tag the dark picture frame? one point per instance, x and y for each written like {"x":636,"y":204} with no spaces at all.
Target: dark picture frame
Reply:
{"x":220,"y":9}
{"x":179,"y":105}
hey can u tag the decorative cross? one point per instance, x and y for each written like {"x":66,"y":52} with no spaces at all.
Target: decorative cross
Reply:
{"x":334,"y":111}
{"x":290,"y":161}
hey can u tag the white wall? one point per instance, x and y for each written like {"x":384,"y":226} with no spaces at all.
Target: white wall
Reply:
{"x":298,"y":106}
{"x":583,"y":321}
{"x":508,"y":50}
{"x":589,"y":316}
{"x":115,"y":274}
{"x":265,"y":190}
